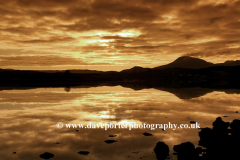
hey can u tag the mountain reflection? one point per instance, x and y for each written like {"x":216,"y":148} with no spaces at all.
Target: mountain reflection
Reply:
{"x":182,"y":93}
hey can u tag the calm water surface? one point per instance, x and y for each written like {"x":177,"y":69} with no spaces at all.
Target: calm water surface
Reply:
{"x":28,"y":121}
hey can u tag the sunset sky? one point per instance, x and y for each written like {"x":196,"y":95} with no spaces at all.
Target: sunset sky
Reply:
{"x":116,"y":34}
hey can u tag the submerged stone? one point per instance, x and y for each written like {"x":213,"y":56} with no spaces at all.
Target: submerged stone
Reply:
{"x":83,"y":152}
{"x":46,"y":155}
{"x":147,"y":134}
{"x":110,"y":141}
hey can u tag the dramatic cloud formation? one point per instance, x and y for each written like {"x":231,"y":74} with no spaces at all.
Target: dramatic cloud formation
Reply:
{"x":117,"y":33}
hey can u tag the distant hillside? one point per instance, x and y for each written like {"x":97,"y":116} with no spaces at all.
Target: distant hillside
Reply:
{"x":135,"y":69}
{"x":187,"y":62}
{"x":86,"y":71}
{"x":229,"y":63}
{"x":77,"y":71}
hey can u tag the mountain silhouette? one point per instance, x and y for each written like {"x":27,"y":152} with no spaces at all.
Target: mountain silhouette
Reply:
{"x":187,"y":62}
{"x":184,"y":62}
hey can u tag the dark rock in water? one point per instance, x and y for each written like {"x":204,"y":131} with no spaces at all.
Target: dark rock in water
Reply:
{"x":110,"y":141}
{"x":186,"y":151}
{"x":112,"y":136}
{"x":161,"y":150}
{"x":147,"y":134}
{"x":199,"y":150}
{"x":220,"y":124}
{"x":46,"y":155}
{"x":225,"y":116}
{"x":220,"y":128}
{"x":187,"y":146}
{"x":235,"y":126}
{"x":221,"y":142}
{"x":206,"y":135}
{"x":192,"y":122}
{"x":57,"y":143}
{"x":236,"y":111}
{"x":83,"y":152}
{"x":14,"y":152}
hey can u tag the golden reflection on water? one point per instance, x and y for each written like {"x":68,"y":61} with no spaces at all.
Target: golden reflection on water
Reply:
{"x":29,"y":117}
